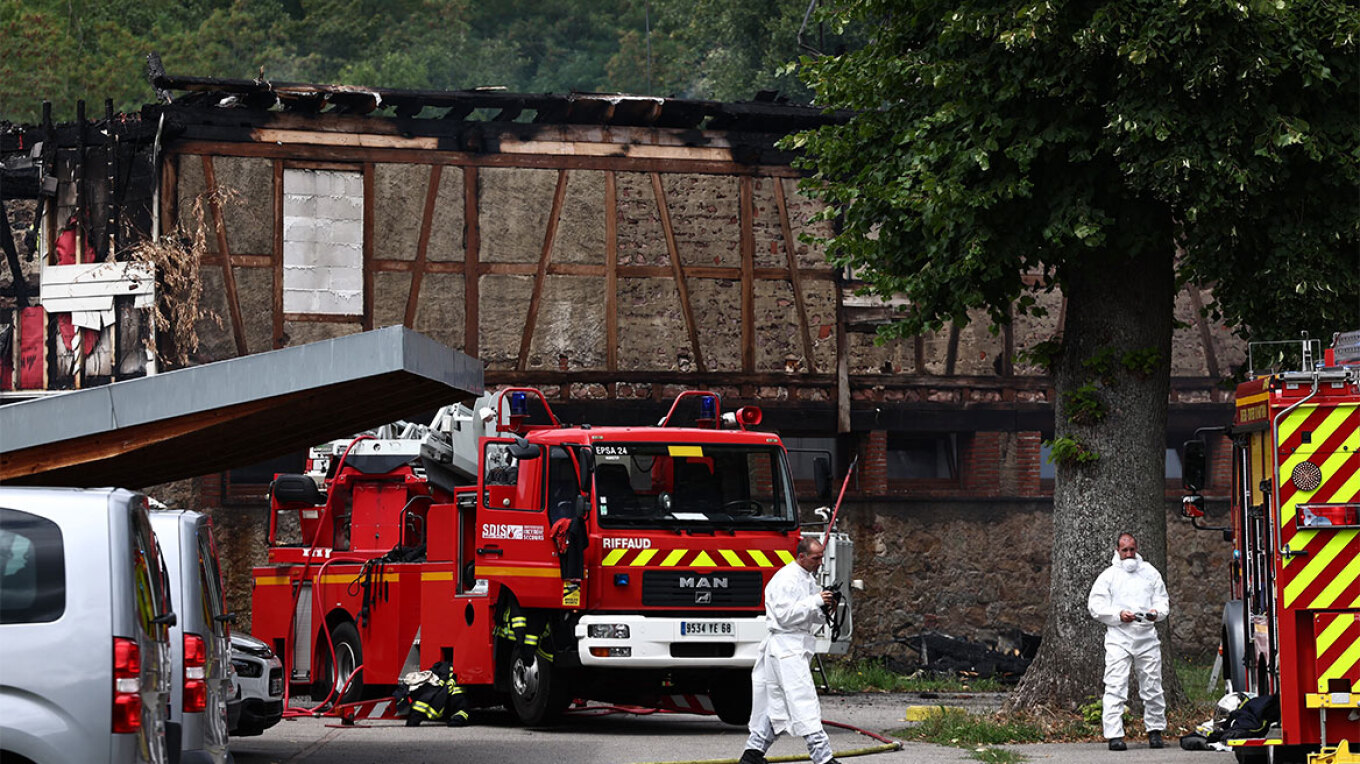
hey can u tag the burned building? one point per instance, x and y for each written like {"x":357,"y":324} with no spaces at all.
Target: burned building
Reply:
{"x":610,"y":250}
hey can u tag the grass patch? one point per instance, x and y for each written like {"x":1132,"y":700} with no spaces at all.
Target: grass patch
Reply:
{"x":957,"y":727}
{"x":1194,"y":676}
{"x":869,"y":676}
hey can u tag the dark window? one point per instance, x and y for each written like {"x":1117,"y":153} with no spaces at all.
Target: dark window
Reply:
{"x":921,"y":456}
{"x":32,"y":569}
{"x":804,"y":453}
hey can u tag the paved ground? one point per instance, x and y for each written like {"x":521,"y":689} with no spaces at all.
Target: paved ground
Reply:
{"x":607,"y":738}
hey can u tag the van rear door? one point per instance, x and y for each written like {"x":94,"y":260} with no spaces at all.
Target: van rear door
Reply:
{"x":218,"y":642}
{"x":152,"y":630}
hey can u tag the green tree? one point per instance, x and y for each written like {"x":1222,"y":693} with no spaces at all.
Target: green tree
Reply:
{"x":1112,"y":148}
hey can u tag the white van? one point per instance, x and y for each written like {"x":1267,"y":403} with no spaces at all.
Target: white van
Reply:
{"x":84,"y":628}
{"x":199,"y":640}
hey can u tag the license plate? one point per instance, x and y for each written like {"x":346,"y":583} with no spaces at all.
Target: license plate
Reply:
{"x":706,"y":629}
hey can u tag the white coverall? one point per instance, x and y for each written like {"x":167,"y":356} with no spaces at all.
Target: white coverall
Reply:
{"x":783,"y":697}
{"x":1138,"y":591}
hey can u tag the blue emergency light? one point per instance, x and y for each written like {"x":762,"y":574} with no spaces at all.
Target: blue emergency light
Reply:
{"x":519,"y":404}
{"x":708,"y":407}
{"x":620,"y":579}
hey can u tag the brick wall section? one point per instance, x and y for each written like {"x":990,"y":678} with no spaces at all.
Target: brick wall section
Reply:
{"x":981,"y":463}
{"x":1027,"y":463}
{"x":1220,"y":466}
{"x":873,"y":464}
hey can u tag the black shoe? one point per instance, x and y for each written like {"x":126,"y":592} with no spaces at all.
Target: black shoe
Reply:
{"x":412,"y":720}
{"x":1155,"y":739}
{"x":1117,"y":744}
{"x":752,"y":756}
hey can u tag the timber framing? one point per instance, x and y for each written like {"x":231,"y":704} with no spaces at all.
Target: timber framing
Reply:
{"x":791,"y":336}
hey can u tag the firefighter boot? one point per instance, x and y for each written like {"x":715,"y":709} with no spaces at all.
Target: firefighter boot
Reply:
{"x":1117,"y":744}
{"x":413,"y":719}
{"x":458,"y":719}
{"x":1155,"y":739}
{"x":752,"y":756}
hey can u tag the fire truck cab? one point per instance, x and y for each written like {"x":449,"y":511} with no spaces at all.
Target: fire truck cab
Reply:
{"x":1292,"y":627}
{"x":545,"y":562}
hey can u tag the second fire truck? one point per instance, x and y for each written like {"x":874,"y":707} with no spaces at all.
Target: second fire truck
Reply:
{"x":1292,"y":628}
{"x":544,"y":562}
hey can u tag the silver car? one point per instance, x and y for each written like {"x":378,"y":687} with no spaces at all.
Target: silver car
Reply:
{"x":199,"y":641}
{"x":259,"y":686}
{"x":85,"y":623}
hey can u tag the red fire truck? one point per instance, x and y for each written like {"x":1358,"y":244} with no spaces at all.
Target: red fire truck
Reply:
{"x":545,"y":562}
{"x":1292,"y":628}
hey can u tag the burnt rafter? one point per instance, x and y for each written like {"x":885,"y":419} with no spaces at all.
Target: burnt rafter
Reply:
{"x":568,"y":108}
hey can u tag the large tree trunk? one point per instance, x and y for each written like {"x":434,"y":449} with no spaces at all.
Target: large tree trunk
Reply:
{"x":1116,"y":306}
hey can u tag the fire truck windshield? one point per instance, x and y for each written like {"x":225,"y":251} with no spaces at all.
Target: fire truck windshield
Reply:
{"x":661,"y":485}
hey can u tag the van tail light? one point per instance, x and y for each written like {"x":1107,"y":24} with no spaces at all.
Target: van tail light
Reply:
{"x":195,"y":674}
{"x":127,"y":686}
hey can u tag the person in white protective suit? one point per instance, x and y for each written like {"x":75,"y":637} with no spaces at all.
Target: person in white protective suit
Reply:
{"x":783,"y":697}
{"x":1129,"y":598}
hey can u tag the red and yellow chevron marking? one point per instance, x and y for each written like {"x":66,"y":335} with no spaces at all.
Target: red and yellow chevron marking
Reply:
{"x":1326,"y":576}
{"x":1338,"y":648}
{"x":696,"y":558}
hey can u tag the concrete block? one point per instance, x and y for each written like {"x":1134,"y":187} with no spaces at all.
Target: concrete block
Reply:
{"x":298,"y":300}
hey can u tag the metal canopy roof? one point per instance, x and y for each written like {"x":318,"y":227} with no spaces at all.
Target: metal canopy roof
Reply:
{"x":232,"y":413}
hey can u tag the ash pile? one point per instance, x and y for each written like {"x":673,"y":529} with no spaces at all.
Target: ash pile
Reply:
{"x":933,"y":652}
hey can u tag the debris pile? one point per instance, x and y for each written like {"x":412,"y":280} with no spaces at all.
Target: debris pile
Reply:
{"x":935,"y":653}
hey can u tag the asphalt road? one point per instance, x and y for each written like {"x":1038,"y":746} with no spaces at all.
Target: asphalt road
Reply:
{"x":596,"y":736}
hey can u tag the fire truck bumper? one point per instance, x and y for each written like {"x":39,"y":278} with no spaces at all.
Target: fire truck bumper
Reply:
{"x":636,"y":641}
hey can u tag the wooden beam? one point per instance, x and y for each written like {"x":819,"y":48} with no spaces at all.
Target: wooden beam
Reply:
{"x":322,"y":318}
{"x":278,"y":254}
{"x":472,"y":244}
{"x":369,"y":221}
{"x":678,"y":272}
{"x":408,"y":266}
{"x":238,"y":326}
{"x":1008,"y":344}
{"x":351,"y":140}
{"x":919,"y":353}
{"x":747,"y":246}
{"x":1205,"y":337}
{"x":542,"y":275}
{"x":191,"y":145}
{"x":169,"y":194}
{"x":795,"y":278}
{"x":611,"y":270}
{"x":303,"y":164}
{"x":241,"y":261}
{"x":951,"y":356}
{"x":423,"y":246}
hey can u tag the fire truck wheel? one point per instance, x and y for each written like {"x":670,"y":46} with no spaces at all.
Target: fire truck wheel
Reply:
{"x":731,"y":696}
{"x":538,"y":691}
{"x":335,"y":672}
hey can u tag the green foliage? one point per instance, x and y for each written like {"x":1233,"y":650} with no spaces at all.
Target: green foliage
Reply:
{"x":1143,"y":362}
{"x":1070,"y":451}
{"x":1092,"y":711}
{"x":1044,"y":354}
{"x":1083,"y":405}
{"x":996,"y":141}
{"x":872,"y":676}
{"x":64,"y":50}
{"x":957,"y":727}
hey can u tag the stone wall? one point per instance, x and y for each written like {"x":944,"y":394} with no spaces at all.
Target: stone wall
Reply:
{"x":981,"y":569}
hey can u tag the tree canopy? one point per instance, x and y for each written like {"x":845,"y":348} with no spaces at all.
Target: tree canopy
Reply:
{"x":1113,"y":149}
{"x":64,"y":50}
